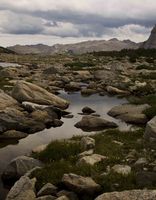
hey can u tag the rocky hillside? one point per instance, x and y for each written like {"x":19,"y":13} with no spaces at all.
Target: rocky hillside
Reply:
{"x":5,"y":50}
{"x":77,"y":48}
{"x":151,"y":42}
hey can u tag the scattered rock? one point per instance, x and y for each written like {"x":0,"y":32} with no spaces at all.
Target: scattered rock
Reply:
{"x":19,"y":167}
{"x":87,"y":110}
{"x":23,"y":190}
{"x":6,"y":101}
{"x":91,"y":123}
{"x":129,"y":195}
{"x":72,"y":86}
{"x":91,"y":160}
{"x":130,"y":113}
{"x":25,"y":91}
{"x":87,"y":143}
{"x":150,"y":131}
{"x":122,"y":169}
{"x":114,"y":90}
{"x":13,"y":134}
{"x":88,"y":92}
{"x":47,"y":189}
{"x":69,"y":194}
{"x":80,"y":184}
{"x":86,"y":153}
{"x":140,"y":163}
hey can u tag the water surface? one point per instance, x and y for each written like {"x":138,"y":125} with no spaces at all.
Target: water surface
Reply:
{"x":101,"y":104}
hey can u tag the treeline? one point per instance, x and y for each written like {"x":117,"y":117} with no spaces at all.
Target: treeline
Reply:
{"x":131,"y":53}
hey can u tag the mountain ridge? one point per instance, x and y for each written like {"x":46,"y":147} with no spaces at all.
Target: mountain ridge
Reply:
{"x":77,"y":48}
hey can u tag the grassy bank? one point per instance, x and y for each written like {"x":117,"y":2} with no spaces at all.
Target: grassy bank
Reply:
{"x":61,"y":156}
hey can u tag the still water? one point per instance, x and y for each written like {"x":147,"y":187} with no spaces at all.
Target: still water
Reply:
{"x":101,"y":104}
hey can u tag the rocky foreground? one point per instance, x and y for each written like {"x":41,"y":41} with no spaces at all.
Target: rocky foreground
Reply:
{"x":110,"y":165}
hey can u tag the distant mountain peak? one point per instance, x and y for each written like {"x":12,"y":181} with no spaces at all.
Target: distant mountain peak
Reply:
{"x":114,"y":40}
{"x":151,"y":42}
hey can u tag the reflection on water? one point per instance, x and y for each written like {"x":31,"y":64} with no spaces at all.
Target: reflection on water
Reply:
{"x":100,"y":104}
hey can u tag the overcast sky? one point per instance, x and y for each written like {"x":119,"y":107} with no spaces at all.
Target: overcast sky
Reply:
{"x":68,"y":21}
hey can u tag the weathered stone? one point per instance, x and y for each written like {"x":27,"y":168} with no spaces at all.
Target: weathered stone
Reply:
{"x":69,"y":194}
{"x":19,"y":167}
{"x":122,"y":169}
{"x":23,"y":190}
{"x":91,"y":123}
{"x":80,"y":184}
{"x":63,"y":198}
{"x":114,"y":90}
{"x":25,"y":91}
{"x":140,"y":163}
{"x":91,"y":160}
{"x":87,"y":91}
{"x":129,"y":195}
{"x":46,"y":197}
{"x":72,"y":86}
{"x":86,"y":153}
{"x":87,"y":110}
{"x":47,"y":189}
{"x":87,"y":143}
{"x":6,"y":101}
{"x":130,"y":113}
{"x":150,"y":131}
{"x":13,"y":134}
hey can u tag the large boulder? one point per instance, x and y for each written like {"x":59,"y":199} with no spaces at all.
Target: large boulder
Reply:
{"x":92,"y":123}
{"x":23,"y":189}
{"x":6,"y":101}
{"x":130,"y":113}
{"x":80,"y":184}
{"x":129,"y":195}
{"x":14,"y":119}
{"x":19,"y":167}
{"x":25,"y":91}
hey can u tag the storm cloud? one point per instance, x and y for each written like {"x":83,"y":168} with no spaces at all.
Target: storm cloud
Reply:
{"x":89,"y":19}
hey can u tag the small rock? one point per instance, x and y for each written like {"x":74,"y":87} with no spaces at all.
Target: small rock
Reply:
{"x":69,"y":194}
{"x":87,"y":110}
{"x":47,"y":189}
{"x":86,"y":153}
{"x":91,"y":160}
{"x":140,"y":163}
{"x":122,"y":169}
{"x":80,"y":184}
{"x":63,"y":198}
{"x":91,"y":123}
{"x":87,"y":143}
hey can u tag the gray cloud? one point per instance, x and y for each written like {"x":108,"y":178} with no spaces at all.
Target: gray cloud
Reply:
{"x":81,"y":18}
